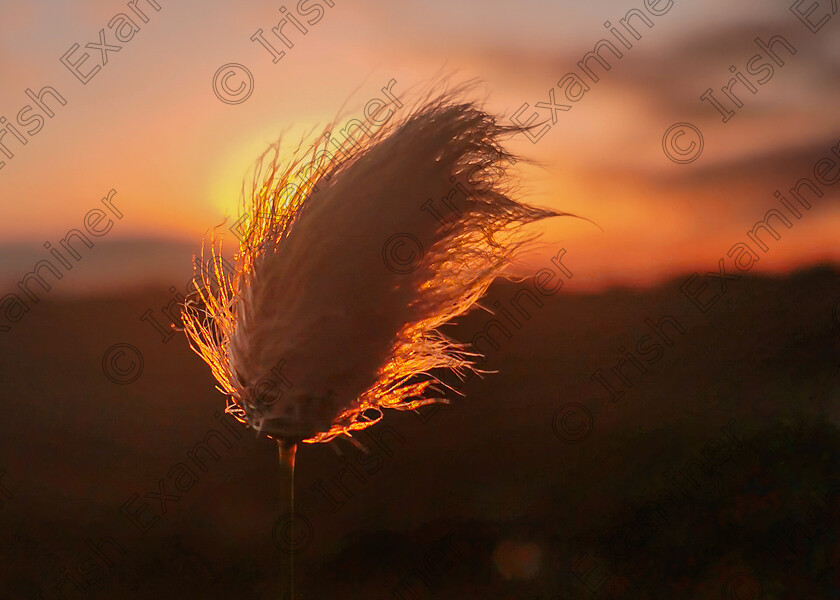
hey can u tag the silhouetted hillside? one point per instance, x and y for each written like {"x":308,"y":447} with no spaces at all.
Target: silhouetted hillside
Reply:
{"x":710,"y":467}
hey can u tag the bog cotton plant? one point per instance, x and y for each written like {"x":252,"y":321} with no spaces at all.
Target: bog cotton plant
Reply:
{"x":311,"y":287}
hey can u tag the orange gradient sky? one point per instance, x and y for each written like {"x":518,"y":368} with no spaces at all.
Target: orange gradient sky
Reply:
{"x":149,"y":125}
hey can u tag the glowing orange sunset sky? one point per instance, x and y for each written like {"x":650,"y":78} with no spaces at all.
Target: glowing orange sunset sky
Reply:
{"x":148,"y":124}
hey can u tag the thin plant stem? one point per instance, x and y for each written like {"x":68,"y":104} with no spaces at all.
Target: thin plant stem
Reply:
{"x":287,"y":519}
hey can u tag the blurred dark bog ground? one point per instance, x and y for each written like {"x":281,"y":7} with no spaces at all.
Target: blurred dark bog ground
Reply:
{"x":480,"y":499}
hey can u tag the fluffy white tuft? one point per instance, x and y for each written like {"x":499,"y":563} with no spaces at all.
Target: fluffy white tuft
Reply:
{"x":316,"y":289}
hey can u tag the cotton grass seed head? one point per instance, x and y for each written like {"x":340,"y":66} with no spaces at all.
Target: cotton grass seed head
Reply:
{"x":311,"y":291}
